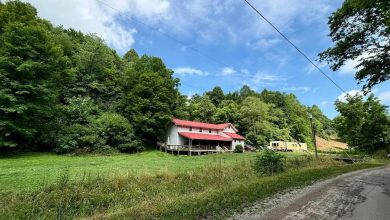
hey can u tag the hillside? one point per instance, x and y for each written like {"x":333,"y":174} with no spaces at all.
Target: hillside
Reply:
{"x":330,"y":145}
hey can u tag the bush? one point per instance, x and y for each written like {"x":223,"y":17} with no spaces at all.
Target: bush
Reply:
{"x":108,"y":130}
{"x":269,"y":163}
{"x":239,"y":149}
{"x":117,"y":132}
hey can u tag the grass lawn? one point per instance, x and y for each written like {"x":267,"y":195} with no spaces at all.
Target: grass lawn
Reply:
{"x":29,"y":171}
{"x":150,"y":185}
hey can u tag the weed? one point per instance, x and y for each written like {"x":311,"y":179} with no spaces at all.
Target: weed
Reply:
{"x":269,"y":163}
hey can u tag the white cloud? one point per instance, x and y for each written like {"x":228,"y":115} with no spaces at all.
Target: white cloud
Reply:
{"x":285,"y":16}
{"x":324,"y":103}
{"x":190,"y":94}
{"x":351,"y":66}
{"x":384,"y":96}
{"x":92,"y":16}
{"x":227,"y":71}
{"x":298,"y":89}
{"x":343,"y":96}
{"x":232,"y":20}
{"x":262,"y":77}
{"x":264,"y":44}
{"x":210,"y":20}
{"x":311,"y":68}
{"x":189,"y":71}
{"x":244,"y":71}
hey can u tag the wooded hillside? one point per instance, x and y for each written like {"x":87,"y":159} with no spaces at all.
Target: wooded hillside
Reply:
{"x":66,"y":91}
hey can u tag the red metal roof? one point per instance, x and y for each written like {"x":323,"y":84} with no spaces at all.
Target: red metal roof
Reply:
{"x":200,"y":124}
{"x":197,"y":136}
{"x":234,"y":135}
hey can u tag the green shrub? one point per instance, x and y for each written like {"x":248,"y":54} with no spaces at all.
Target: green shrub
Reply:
{"x":269,"y":163}
{"x":239,"y":149}
{"x":108,"y":130}
{"x":117,"y":132}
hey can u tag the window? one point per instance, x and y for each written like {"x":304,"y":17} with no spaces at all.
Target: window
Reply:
{"x":200,"y":129}
{"x":190,"y":128}
{"x":209,"y":130}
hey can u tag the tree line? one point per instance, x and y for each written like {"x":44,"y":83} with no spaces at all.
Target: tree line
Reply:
{"x":66,"y":91}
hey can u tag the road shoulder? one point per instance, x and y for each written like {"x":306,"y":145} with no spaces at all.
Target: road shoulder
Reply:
{"x":319,"y":200}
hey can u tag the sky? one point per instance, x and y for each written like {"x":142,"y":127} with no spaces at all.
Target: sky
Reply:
{"x":221,"y":42}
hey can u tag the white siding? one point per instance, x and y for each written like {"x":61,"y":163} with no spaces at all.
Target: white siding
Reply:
{"x":173,"y":137}
{"x":229,"y":129}
{"x":197,"y":130}
{"x":237,"y":142}
{"x":223,"y":134}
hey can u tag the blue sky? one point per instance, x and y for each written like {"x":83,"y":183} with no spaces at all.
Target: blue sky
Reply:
{"x":244,"y":50}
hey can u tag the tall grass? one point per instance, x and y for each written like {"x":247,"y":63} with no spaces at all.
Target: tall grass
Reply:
{"x":167,"y":195}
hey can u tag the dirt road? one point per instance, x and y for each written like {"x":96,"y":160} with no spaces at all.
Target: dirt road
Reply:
{"x":358,"y":195}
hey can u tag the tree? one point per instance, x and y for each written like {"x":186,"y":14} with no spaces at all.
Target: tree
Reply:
{"x":130,"y":56}
{"x":227,"y":112}
{"x":361,"y":30}
{"x":298,"y":119}
{"x":246,"y":91}
{"x":323,"y":125}
{"x":254,"y":122}
{"x":32,"y":66}
{"x":216,"y":95}
{"x":202,"y":109}
{"x":363,"y":124}
{"x":150,"y":97}
{"x":96,"y":73}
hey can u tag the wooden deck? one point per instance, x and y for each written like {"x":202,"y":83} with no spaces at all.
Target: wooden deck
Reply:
{"x":193,"y":150}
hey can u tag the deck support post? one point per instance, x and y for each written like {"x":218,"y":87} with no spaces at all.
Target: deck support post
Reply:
{"x":190,"y":146}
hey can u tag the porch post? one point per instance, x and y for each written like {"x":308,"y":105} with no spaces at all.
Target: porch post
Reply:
{"x":190,"y":146}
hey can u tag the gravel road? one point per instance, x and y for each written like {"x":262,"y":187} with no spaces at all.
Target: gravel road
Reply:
{"x":363,"y":194}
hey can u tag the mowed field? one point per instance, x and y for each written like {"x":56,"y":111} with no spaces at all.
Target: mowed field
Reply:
{"x":29,"y":171}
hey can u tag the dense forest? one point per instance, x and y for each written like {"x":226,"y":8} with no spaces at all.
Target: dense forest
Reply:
{"x":66,"y":91}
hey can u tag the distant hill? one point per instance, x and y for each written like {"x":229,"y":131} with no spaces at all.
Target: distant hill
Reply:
{"x":330,"y":145}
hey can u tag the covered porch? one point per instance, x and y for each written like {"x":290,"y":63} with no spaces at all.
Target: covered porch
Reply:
{"x":197,"y":144}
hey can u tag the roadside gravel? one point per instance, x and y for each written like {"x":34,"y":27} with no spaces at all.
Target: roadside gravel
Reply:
{"x":362,"y":194}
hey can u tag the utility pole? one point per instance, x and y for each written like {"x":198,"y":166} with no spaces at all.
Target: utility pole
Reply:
{"x":313,"y":131}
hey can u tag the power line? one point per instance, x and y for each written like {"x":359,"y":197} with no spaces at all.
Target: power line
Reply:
{"x":212,"y":58}
{"x":173,"y":39}
{"x":222,"y":64}
{"x":292,"y":44}
{"x":169,"y":36}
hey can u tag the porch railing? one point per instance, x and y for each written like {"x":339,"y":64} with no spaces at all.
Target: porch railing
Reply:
{"x":196,"y":147}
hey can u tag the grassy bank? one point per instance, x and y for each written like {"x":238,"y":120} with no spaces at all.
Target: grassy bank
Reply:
{"x":211,"y":189}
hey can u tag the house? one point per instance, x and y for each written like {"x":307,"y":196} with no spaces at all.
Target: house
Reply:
{"x":198,"y":137}
{"x":287,"y":146}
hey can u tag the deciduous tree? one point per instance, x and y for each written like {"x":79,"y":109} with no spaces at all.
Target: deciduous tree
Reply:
{"x":361,"y":30}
